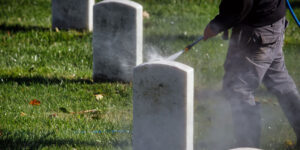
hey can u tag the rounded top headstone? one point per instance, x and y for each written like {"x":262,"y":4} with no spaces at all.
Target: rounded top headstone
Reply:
{"x":163,"y":106}
{"x":124,"y":2}
{"x":117,"y":39}
{"x":172,"y":64}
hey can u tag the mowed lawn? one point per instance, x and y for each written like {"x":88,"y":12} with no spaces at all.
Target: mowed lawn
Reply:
{"x":54,"y":68}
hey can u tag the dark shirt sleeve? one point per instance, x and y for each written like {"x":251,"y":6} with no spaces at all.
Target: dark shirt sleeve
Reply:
{"x":231,"y":13}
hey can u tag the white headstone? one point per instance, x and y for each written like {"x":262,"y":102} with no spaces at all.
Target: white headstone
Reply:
{"x":117,"y":39}
{"x":72,"y":14}
{"x":163,"y":99}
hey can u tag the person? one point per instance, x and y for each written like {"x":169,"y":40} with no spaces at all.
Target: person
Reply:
{"x":255,"y":56}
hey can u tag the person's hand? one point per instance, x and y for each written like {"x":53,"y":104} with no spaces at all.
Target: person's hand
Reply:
{"x":208,"y":33}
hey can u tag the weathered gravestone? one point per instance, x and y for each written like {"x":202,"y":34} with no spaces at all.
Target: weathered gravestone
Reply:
{"x":163,"y":95}
{"x":117,"y":39}
{"x":72,"y":14}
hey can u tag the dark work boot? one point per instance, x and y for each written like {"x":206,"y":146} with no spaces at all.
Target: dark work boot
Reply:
{"x":290,"y":104}
{"x":247,"y":125}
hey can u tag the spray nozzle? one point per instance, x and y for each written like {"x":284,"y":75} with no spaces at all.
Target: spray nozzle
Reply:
{"x":187,"y":48}
{"x":194,"y":43}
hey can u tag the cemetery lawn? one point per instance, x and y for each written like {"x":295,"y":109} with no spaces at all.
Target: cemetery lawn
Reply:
{"x":54,"y":67}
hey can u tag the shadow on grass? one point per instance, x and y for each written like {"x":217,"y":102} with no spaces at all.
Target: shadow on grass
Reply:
{"x":42,"y":80}
{"x":20,"y":28}
{"x":17,"y":141}
{"x":13,"y":28}
{"x":51,"y":80}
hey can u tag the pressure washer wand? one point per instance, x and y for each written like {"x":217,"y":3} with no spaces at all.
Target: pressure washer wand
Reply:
{"x":194,"y":43}
{"x":187,"y":48}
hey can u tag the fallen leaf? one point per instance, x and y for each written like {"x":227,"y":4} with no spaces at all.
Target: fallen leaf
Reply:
{"x":146,"y":15}
{"x":56,"y":29}
{"x":22,"y":114}
{"x":53,"y":115}
{"x":35,"y":102}
{"x":99,"y":96}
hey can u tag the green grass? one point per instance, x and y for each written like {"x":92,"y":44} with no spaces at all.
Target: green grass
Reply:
{"x":56,"y":69}
{"x":38,"y":127}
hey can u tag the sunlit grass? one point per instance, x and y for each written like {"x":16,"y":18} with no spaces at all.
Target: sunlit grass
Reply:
{"x":55,"y":67}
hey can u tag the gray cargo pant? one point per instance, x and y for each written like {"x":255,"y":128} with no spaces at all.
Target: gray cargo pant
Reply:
{"x":254,"y":56}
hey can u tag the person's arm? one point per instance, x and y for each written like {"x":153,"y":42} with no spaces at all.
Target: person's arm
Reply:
{"x":231,"y":13}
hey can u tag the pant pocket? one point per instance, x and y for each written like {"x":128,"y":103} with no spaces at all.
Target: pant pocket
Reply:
{"x":266,"y":39}
{"x":269,"y":39}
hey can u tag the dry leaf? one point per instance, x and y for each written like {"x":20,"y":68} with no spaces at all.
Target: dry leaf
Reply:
{"x":35,"y":102}
{"x":146,"y":15}
{"x":99,"y":96}
{"x":53,"y":115}
{"x":56,"y":29}
{"x":22,"y":114}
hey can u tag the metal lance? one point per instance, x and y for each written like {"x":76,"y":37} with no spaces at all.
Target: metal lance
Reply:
{"x":187,"y":48}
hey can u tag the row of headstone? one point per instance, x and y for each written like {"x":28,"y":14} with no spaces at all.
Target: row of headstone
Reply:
{"x":162,"y":90}
{"x":117,"y":33}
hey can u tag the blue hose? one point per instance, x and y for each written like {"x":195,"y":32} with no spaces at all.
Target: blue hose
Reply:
{"x":292,"y":12}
